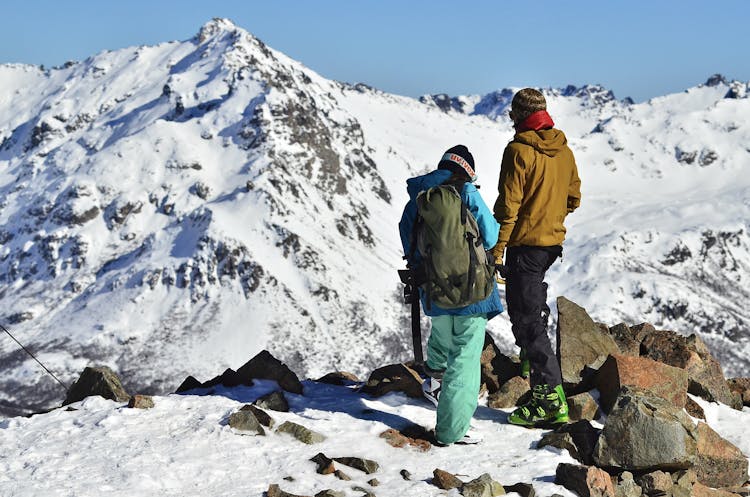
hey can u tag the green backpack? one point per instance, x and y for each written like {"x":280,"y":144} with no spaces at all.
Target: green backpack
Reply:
{"x":455,"y":269}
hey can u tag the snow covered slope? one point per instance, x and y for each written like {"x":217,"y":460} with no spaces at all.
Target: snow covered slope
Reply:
{"x":174,"y":209}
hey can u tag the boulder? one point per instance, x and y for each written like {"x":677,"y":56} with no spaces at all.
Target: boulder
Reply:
{"x":97,"y":380}
{"x":304,"y":435}
{"x":627,"y":340}
{"x":483,"y":486}
{"x":229,"y":378}
{"x":741,"y":386}
{"x":394,"y":378}
{"x":582,"y":406}
{"x":444,"y":480}
{"x":340,"y":378}
{"x":720,"y":463}
{"x":366,"y":465}
{"x":261,"y":415}
{"x":705,"y":376}
{"x":141,"y":402}
{"x":267,"y":367}
{"x":586,"y":481}
{"x":246,"y":421}
{"x":655,"y":483}
{"x":656,"y":378}
{"x":580,"y":341}
{"x":274,"y":401}
{"x":645,"y":433}
{"x":579,"y":439}
{"x":509,"y":393}
{"x":496,"y":367}
{"x":341,"y":475}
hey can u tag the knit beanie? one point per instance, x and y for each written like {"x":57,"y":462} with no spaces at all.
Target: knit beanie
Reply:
{"x":526,"y":102}
{"x":458,"y":159}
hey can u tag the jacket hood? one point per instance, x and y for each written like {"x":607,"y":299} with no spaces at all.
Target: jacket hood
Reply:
{"x":546,"y":141}
{"x":422,"y":183}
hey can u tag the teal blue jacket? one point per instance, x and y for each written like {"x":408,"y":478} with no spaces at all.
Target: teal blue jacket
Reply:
{"x":488,"y":227}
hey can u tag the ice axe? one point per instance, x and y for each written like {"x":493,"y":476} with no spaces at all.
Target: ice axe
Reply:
{"x":411,"y":296}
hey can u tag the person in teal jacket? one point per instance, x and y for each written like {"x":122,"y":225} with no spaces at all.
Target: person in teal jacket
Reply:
{"x":457,"y":335}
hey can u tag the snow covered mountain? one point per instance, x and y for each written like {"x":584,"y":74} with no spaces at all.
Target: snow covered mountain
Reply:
{"x":174,"y":209}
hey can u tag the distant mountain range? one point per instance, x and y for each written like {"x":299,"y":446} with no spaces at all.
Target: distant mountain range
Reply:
{"x":176,"y":208}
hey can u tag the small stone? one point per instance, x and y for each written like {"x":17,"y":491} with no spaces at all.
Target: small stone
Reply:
{"x":274,"y":401}
{"x":509,"y":393}
{"x":655,"y":483}
{"x":141,"y":402}
{"x":522,"y":489}
{"x":245,"y":421}
{"x":587,"y":481}
{"x":405,"y":474}
{"x":367,"y":493}
{"x":366,"y":465}
{"x":330,"y":493}
{"x":483,"y":486}
{"x":325,"y":464}
{"x":341,"y":475}
{"x":398,"y":440}
{"x":374,"y":482}
{"x":445,"y":480}
{"x":260,"y":414}
{"x":275,"y":491}
{"x":627,"y":487}
{"x":304,"y":435}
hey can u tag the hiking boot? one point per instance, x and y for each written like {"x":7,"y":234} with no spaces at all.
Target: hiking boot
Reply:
{"x":525,"y":364}
{"x":547,"y":406}
{"x":431,"y":390}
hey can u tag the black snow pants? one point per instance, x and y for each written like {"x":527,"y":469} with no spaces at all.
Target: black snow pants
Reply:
{"x":526,"y":294}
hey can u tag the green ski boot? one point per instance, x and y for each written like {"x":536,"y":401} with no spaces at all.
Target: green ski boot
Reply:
{"x":548,"y":406}
{"x":525,"y":364}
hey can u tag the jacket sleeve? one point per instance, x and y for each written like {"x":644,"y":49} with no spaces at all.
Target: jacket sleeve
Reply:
{"x":574,"y":190}
{"x":510,"y":193}
{"x":488,"y":226}
{"x":406,"y":225}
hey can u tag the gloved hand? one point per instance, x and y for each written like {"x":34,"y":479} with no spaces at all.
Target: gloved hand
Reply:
{"x":497,"y":253}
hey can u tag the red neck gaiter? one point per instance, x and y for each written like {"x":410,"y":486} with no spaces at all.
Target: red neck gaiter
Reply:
{"x":536,"y":121}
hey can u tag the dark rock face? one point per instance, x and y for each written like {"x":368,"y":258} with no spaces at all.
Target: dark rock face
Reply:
{"x":658,"y":379}
{"x":261,"y":415}
{"x":189,"y":383}
{"x":586,"y":481}
{"x":645,"y":433}
{"x":267,"y":367}
{"x":720,"y":463}
{"x":626,"y":339}
{"x":705,"y":376}
{"x":324,"y":464}
{"x":394,"y":378}
{"x":98,"y":380}
{"x":694,"y":409}
{"x":580,"y":341}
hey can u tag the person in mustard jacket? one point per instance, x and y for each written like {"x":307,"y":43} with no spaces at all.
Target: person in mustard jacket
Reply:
{"x":539,"y":186}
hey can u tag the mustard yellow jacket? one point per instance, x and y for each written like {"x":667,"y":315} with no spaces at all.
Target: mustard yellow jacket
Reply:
{"x":539,"y":186}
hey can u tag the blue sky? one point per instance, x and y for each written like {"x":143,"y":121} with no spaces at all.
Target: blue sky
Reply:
{"x":637,"y":48}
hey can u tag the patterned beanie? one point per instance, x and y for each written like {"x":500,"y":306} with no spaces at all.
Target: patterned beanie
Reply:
{"x":458,"y":159}
{"x":526,"y":102}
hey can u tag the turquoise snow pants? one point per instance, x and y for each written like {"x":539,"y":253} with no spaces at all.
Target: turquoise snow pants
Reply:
{"x":455,"y":345}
